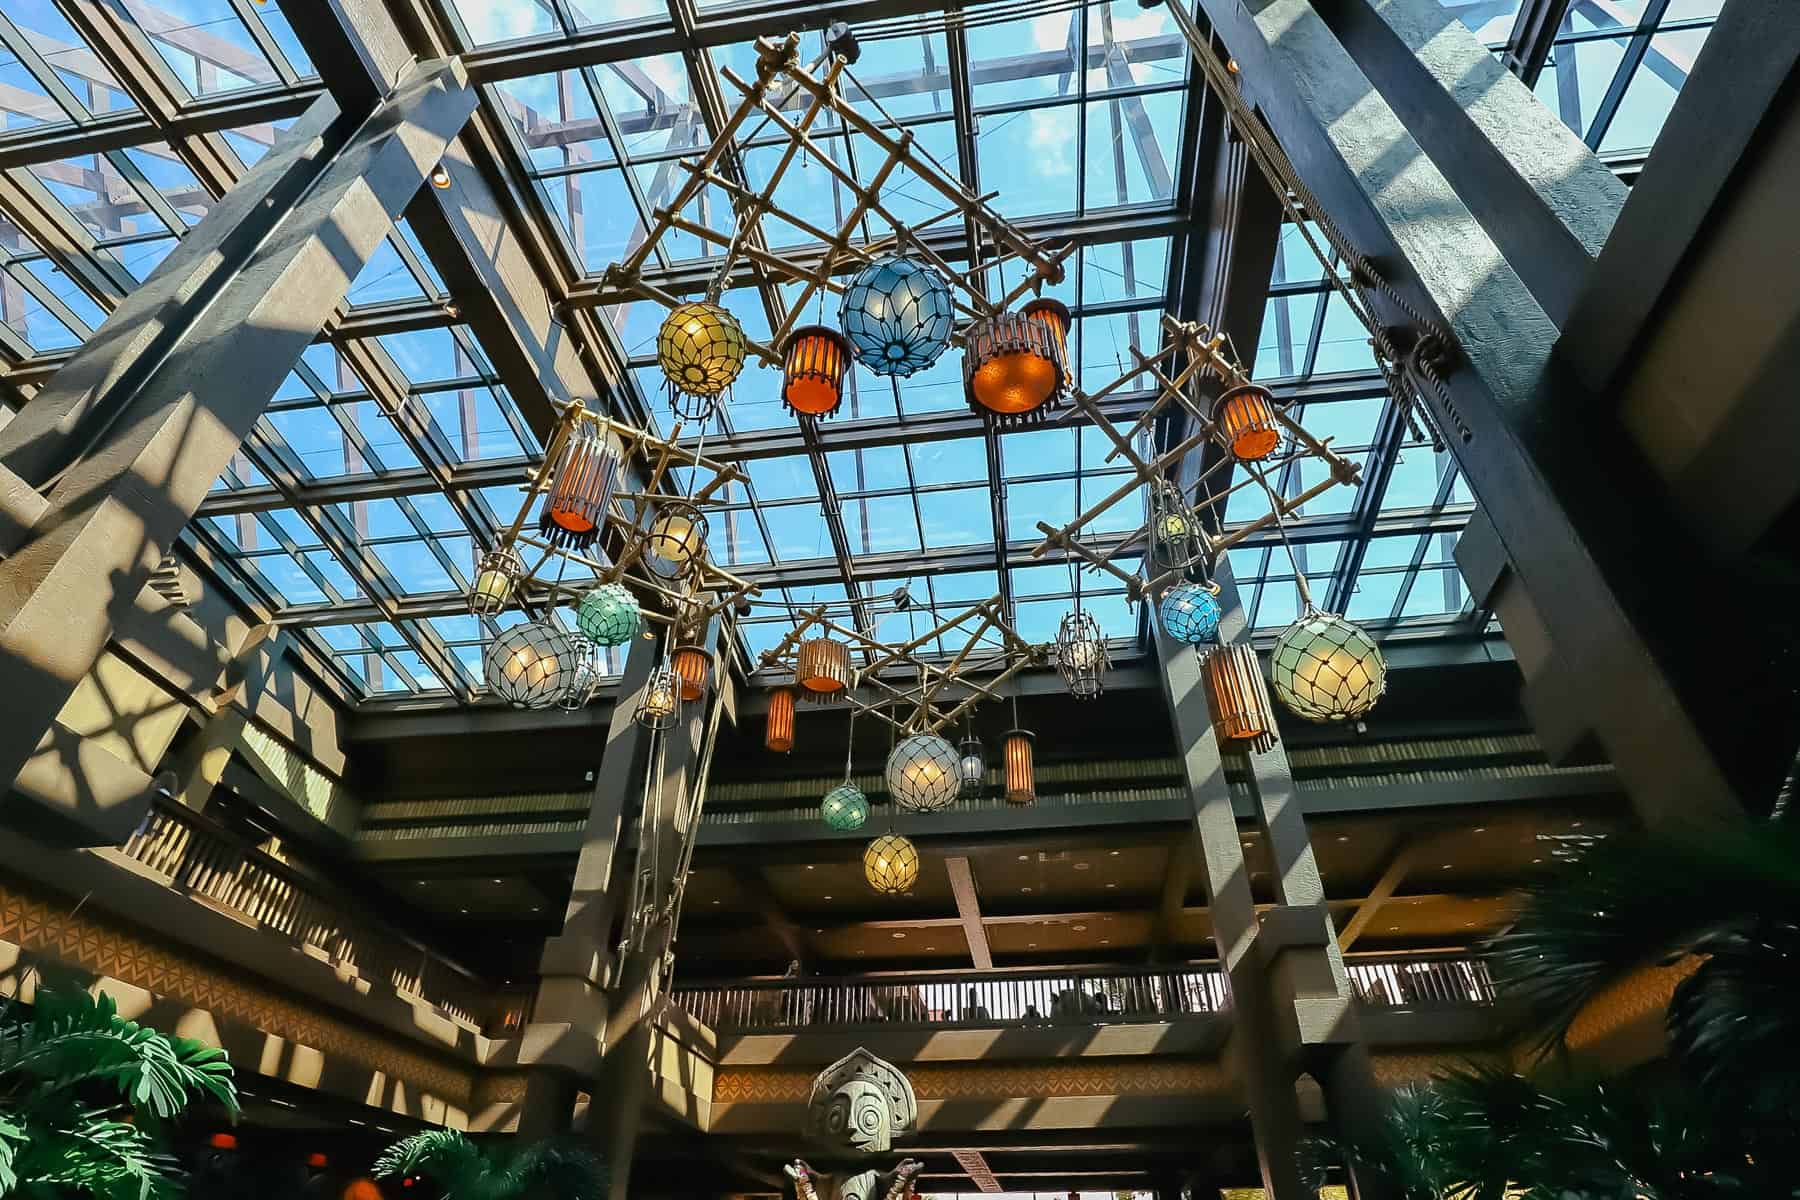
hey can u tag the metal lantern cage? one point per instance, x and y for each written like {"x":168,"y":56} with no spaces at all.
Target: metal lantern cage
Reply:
{"x":584,"y":676}
{"x":1325,"y":668}
{"x":661,"y":699}
{"x":1013,"y":367}
{"x":582,"y":479}
{"x":897,"y":314}
{"x":675,"y":545}
{"x":496,"y":575}
{"x":922,"y":773}
{"x":813,"y":370}
{"x":1175,"y":533}
{"x":971,"y":768}
{"x":1081,"y":657}
{"x":891,"y":864}
{"x":529,"y":665}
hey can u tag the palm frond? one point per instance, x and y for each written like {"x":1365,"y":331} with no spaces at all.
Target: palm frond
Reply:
{"x":96,"y":1155}
{"x":446,"y":1157}
{"x":556,"y":1170}
{"x":74,"y":1038}
{"x":1643,"y":898}
{"x":13,"y":1138}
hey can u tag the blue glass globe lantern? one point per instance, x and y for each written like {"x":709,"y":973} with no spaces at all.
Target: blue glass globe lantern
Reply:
{"x":1190,"y":613}
{"x":845,"y":807}
{"x":897,"y":313}
{"x":609,"y":615}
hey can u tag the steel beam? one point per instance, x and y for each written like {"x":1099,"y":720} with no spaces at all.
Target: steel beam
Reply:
{"x":130,"y":435}
{"x":1574,"y":514}
{"x":968,"y":910}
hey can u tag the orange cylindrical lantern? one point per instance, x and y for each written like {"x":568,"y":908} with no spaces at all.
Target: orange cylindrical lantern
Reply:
{"x":1054,"y":315}
{"x":823,"y":668}
{"x":1241,"y":713}
{"x":580,"y":487}
{"x":1021,"y":785}
{"x":778,"y":734}
{"x":1246,"y":419}
{"x":692,"y":666}
{"x":813,"y":370}
{"x":1014,"y":363}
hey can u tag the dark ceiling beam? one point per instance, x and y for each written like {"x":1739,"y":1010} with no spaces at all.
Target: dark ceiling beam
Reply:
{"x":755,"y":887}
{"x":1178,"y":875}
{"x":1533,"y":33}
{"x":116,"y":131}
{"x":968,"y":909}
{"x":1392,"y":877}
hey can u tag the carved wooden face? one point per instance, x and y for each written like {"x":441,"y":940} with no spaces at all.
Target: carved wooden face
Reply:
{"x":859,"y":1116}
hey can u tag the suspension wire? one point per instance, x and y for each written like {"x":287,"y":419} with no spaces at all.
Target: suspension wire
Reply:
{"x":690,"y":835}
{"x":1281,"y":531}
{"x":850,"y":745}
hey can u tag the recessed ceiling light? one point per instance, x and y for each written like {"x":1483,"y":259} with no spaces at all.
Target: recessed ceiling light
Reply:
{"x":1445,"y":867}
{"x":1537,"y":860}
{"x":1080,"y":929}
{"x":931,"y":947}
{"x":464,"y":911}
{"x":715,"y":901}
{"x":899,"y":935}
{"x":537,"y":908}
{"x":1114,"y":853}
{"x":1024,"y":858}
{"x":1481,"y":829}
{"x":1246,"y":843}
{"x":1574,"y":824}
{"x":1106,"y":941}
{"x":828,"y":897}
{"x":1081,"y":866}
{"x":818,"y":931}
{"x":1112,"y":885}
{"x":495,"y":881}
{"x":1343,"y":837}
{"x":420,"y":882}
{"x":861,"y":952}
{"x":809,"y":866}
{"x":1393,"y":929}
{"x":1031,"y":945}
{"x":1026,"y":890}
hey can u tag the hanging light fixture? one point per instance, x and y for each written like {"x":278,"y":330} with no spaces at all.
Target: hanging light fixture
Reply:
{"x":1190,"y":613}
{"x":1245,"y":416}
{"x":897,"y":315}
{"x":1174,"y":527}
{"x":922,"y":773}
{"x":1014,"y":365}
{"x":1021,"y":783}
{"x":584,"y":676}
{"x":891,"y":864}
{"x":1081,"y":657}
{"x":529,"y":665}
{"x":676,"y":541}
{"x":822,"y":669}
{"x":971,"y":768}
{"x":581,"y":487}
{"x":496,"y":574}
{"x":778,"y":730}
{"x":1242,"y":716}
{"x":700,"y":348}
{"x":1054,"y":315}
{"x":693,"y":666}
{"x":608,"y":615}
{"x":660,"y":699}
{"x":1327,"y":669}
{"x":845,"y":807}
{"x":813,"y":370}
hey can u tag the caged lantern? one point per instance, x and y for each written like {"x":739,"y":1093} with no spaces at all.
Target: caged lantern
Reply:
{"x":1021,"y":778}
{"x":1174,"y":527}
{"x":813,"y":370}
{"x":922,"y":773}
{"x":971,"y":768}
{"x":1015,"y":364}
{"x":584,"y":676}
{"x":1245,"y":417}
{"x":660,"y":700}
{"x":1325,"y":668}
{"x":897,"y":315}
{"x":581,"y":485}
{"x":495,"y":577}
{"x":822,"y":669}
{"x":1081,"y":657}
{"x":675,"y":544}
{"x":1190,"y":613}
{"x":891,"y":864}
{"x":778,"y":729}
{"x":700,"y":348}
{"x":1241,"y":713}
{"x":530,"y":665}
{"x":608,"y":615}
{"x":844,"y":807}
{"x":693,"y":666}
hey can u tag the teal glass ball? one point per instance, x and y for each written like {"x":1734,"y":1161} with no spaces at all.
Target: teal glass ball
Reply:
{"x":609,"y":615}
{"x":845,"y":807}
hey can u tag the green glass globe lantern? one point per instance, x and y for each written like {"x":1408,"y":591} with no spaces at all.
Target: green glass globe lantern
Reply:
{"x":1325,"y":668}
{"x":609,"y":615}
{"x":845,"y":807}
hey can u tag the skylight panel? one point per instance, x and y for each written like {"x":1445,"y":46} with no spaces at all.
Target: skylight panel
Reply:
{"x":35,"y":37}
{"x":597,"y":214}
{"x":957,"y":517}
{"x":555,"y":119}
{"x":205,"y":43}
{"x":489,"y":21}
{"x":1030,"y":158}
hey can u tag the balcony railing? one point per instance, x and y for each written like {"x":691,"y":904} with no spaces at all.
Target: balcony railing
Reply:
{"x":1105,"y":995}
{"x":198,"y":856}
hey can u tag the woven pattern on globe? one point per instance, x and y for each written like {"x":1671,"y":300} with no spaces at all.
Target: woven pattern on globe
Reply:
{"x":609,"y":615}
{"x":897,"y":314}
{"x":701,"y":350}
{"x":922,"y":773}
{"x":1190,"y":613}
{"x":845,"y":807}
{"x":530,"y":665}
{"x":1326,"y":669}
{"x":891,"y":864}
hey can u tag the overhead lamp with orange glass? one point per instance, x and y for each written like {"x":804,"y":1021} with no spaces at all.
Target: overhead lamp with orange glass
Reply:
{"x":813,"y":371}
{"x":778,"y":732}
{"x":1243,"y":718}
{"x":584,"y":471}
{"x":1016,"y":754}
{"x":1245,"y":417}
{"x":1015,"y":365}
{"x":822,"y":669}
{"x":693,"y":667}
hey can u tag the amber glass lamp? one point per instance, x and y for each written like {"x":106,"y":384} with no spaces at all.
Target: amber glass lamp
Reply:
{"x":700,"y":348}
{"x":1245,"y":417}
{"x":1021,"y":785}
{"x":823,"y":669}
{"x":1014,"y":364}
{"x":1242,"y":716}
{"x":580,"y":489}
{"x":693,"y":666}
{"x":813,"y":371}
{"x":778,"y":731}
{"x":1054,"y":315}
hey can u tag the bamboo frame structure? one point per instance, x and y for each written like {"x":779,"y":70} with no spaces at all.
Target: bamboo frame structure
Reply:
{"x":1202,"y":354}
{"x":781,"y":80}
{"x":908,"y":692}
{"x":628,"y":518}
